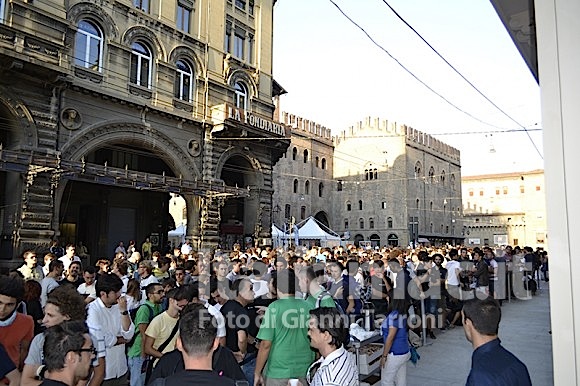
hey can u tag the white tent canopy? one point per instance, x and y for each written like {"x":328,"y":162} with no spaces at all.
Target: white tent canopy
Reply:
{"x":312,"y":229}
{"x":177,"y":236}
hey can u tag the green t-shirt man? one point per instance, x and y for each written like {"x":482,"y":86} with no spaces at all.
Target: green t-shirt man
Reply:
{"x":142,"y":317}
{"x":285,"y":324}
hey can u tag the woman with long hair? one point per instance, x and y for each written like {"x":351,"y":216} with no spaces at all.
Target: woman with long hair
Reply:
{"x":396,"y":351}
{"x":133,"y":294}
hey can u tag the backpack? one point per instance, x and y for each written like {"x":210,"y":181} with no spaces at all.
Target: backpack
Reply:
{"x":133,"y":314}
{"x":325,"y":294}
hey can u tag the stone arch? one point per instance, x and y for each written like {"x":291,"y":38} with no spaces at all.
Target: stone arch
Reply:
{"x":244,"y":76}
{"x":187,"y":53}
{"x":82,"y":10}
{"x":322,"y":217}
{"x":234,"y":151}
{"x":27,"y":135}
{"x":160,"y":144}
{"x":139,"y":31}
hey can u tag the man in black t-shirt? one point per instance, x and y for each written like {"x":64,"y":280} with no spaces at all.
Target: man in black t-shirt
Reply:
{"x":197,"y":341}
{"x":237,"y":322}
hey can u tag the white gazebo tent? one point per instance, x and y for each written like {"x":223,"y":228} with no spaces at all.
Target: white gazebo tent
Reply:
{"x":278,"y":236}
{"x":312,"y":229}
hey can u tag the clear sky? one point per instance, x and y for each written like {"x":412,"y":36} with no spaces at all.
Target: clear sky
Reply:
{"x":335,"y":76}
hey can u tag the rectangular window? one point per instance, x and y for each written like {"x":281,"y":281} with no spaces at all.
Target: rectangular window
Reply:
{"x":2,"y":10}
{"x":516,"y":242}
{"x":346,"y":224}
{"x":302,"y":212}
{"x":471,"y":193}
{"x":505,"y":190}
{"x":143,"y":5}
{"x":250,"y":49}
{"x":384,"y":205}
{"x":239,"y":41}
{"x":339,"y":186}
{"x":540,"y":238}
{"x":538,"y":188}
{"x":287,"y":209}
{"x":228,"y":38}
{"x":241,"y":4}
{"x":183,"y":17}
{"x":522,"y":190}
{"x":481,"y":192}
{"x":497,"y":191}
{"x":251,"y":7}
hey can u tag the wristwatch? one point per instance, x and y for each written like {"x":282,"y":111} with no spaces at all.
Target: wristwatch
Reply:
{"x":124,"y":312}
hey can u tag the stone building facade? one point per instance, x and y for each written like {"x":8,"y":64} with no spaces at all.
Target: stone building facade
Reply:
{"x":106,"y":107}
{"x":396,"y":185}
{"x":303,"y":181}
{"x":505,"y":209}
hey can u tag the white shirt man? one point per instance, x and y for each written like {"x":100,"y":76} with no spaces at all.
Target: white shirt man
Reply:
{"x":186,"y":248}
{"x":108,"y":314}
{"x":69,"y":257}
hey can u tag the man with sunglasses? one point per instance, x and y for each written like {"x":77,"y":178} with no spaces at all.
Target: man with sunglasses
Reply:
{"x":145,"y":314}
{"x":161,"y":328}
{"x":68,"y":354}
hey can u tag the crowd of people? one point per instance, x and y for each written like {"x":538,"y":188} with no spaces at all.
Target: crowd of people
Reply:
{"x":247,"y":317}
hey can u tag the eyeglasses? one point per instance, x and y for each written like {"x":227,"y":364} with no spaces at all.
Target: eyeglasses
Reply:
{"x":91,"y":350}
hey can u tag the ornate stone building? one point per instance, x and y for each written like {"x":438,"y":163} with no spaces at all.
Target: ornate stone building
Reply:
{"x":106,"y":107}
{"x":506,"y":208}
{"x":396,"y":185}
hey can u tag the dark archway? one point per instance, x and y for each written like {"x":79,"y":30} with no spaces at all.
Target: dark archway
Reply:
{"x":393,"y":240}
{"x":375,"y":240}
{"x":238,"y":214}
{"x":101,"y":215}
{"x":322,"y":217}
{"x":9,"y":182}
{"x":358,"y":239}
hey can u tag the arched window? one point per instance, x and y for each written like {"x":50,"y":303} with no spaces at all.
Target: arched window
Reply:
{"x":417,"y":202}
{"x":431,"y":206}
{"x":295,"y":186}
{"x":376,"y":174}
{"x":307,"y":187}
{"x":305,"y":156}
{"x":418,"y":169}
{"x":359,"y":204}
{"x":452,"y":182}
{"x":361,"y":223}
{"x":441,"y":229}
{"x":431,"y":227}
{"x":287,"y":211}
{"x":323,"y":163}
{"x":241,"y":95}
{"x":348,"y":206}
{"x":88,"y":46}
{"x":371,"y":223}
{"x":141,"y":59}
{"x":184,"y":81}
{"x":320,"y":189}
{"x":442,"y":177}
{"x":317,"y":161}
{"x":431,"y":174}
{"x":390,"y":222}
{"x":345,"y":224}
{"x":294,"y":154}
{"x":366,"y":174}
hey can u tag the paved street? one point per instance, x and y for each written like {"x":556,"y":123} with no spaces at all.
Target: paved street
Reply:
{"x":524,"y":330}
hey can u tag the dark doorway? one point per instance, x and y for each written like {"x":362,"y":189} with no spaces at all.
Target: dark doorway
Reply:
{"x":322,"y":218}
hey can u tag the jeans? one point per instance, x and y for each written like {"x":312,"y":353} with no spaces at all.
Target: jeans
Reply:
{"x":248,"y":368}
{"x":395,"y":370}
{"x":135,"y":365}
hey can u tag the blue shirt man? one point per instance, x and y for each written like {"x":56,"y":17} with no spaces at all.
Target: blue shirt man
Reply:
{"x":491,"y":364}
